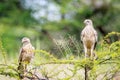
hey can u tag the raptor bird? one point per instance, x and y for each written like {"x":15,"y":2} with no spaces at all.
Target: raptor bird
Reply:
{"x":89,"y":38}
{"x":25,"y":56}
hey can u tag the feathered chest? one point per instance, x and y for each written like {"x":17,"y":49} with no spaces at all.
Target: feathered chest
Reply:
{"x":89,"y":32}
{"x":27,"y":52}
{"x":28,"y":49}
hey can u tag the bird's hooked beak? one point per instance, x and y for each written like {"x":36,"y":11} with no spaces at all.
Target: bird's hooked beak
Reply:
{"x":85,"y":22}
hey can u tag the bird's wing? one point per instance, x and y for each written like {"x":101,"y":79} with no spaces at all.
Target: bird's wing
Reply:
{"x":82,"y":35}
{"x":20,"y":65}
{"x":20,"y":55}
{"x":96,"y":38}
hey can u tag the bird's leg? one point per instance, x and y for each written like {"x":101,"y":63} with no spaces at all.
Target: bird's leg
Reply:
{"x":85,"y":50}
{"x":92,"y":54}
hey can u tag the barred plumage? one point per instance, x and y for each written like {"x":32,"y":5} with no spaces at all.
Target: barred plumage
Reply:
{"x":89,"y":38}
{"x":25,"y":56}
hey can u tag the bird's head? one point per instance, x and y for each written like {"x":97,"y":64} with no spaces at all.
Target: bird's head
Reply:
{"x":88,"y":22}
{"x":25,"y":40}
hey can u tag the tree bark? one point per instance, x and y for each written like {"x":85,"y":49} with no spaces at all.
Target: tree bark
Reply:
{"x":86,"y":72}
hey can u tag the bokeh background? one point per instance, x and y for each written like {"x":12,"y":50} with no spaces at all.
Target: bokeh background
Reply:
{"x":47,"y":22}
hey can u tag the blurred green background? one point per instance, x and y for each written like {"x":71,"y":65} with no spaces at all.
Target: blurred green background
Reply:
{"x":46,"y":22}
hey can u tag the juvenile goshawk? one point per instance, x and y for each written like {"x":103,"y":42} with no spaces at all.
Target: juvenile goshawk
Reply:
{"x":89,"y":38}
{"x":25,"y":56}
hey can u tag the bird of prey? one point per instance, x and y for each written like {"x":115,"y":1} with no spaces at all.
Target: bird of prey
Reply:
{"x":25,"y":56}
{"x":89,"y":38}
